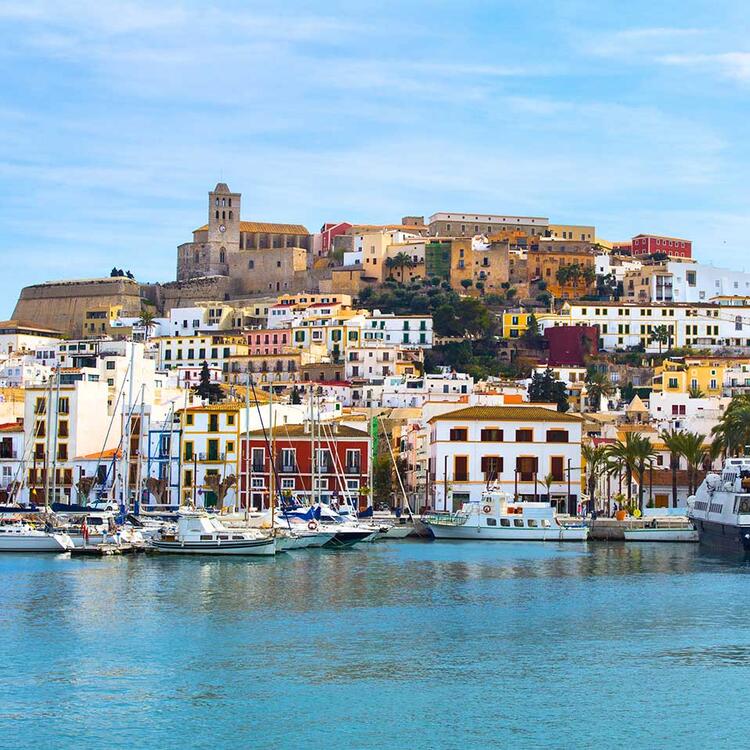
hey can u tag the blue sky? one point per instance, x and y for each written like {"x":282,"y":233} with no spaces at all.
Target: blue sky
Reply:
{"x":117,"y":118}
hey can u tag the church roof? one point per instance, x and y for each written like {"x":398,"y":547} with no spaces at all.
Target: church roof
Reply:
{"x":265,"y":227}
{"x":221,"y":187}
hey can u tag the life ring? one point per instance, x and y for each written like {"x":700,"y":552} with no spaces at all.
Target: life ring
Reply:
{"x":312,"y":525}
{"x":487,"y":509}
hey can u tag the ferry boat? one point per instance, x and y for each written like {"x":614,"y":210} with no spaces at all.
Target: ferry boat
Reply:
{"x":201,"y":534}
{"x":20,"y":536}
{"x":496,"y":516}
{"x":720,"y":508}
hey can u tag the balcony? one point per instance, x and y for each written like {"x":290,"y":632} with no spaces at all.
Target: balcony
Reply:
{"x":352,"y":469}
{"x":211,"y":456}
{"x":285,"y":468}
{"x":7,"y":453}
{"x":258,"y":468}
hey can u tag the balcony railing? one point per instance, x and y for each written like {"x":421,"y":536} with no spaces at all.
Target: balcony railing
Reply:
{"x":352,"y":469}
{"x":286,"y":468}
{"x":8,"y":454}
{"x":258,"y":468}
{"x":211,"y":456}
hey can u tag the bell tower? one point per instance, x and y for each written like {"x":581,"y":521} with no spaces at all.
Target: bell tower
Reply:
{"x":224,"y":216}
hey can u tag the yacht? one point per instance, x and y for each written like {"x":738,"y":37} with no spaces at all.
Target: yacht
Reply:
{"x":496,"y":516}
{"x":20,"y":536}
{"x":346,"y":531}
{"x":720,"y":508}
{"x":98,"y":528}
{"x":199,"y":533}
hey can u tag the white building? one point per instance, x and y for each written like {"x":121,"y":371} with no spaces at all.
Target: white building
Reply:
{"x":515,"y":446}
{"x":18,"y":336}
{"x":681,"y":412}
{"x":628,"y":324}
{"x":404,"y":330}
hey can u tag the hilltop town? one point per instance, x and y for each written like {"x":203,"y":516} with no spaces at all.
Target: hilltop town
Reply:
{"x":435,"y":356}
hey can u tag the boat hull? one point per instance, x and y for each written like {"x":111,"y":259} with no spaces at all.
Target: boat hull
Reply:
{"x":506,"y":534}
{"x":261,"y":547}
{"x":397,"y":532}
{"x":732,"y":540}
{"x":661,"y":535}
{"x":40,"y":543}
{"x":345,"y":539}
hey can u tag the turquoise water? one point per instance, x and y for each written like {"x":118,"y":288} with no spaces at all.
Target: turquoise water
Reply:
{"x":413,"y":644}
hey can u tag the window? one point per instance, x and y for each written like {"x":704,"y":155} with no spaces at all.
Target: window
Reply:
{"x":459,"y":434}
{"x":188,"y":478}
{"x":518,"y":522}
{"x":189,"y":419}
{"x":505,"y":522}
{"x":672,"y":383}
{"x":258,"y":459}
{"x":526,"y":467}
{"x":40,"y":406}
{"x":63,"y":405}
{"x":213,"y":422}
{"x":491,"y":435}
{"x":491,"y":466}
{"x":460,"y":469}
{"x":557,"y":468}
{"x":230,"y":446}
{"x":524,"y":436}
{"x":491,"y":522}
{"x":189,"y":450}
{"x":531,"y":523}
{"x":62,"y":428}
{"x":62,"y":452}
{"x":557,"y":436}
{"x":230,"y":419}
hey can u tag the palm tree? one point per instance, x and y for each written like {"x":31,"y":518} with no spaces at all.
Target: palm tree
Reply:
{"x":598,"y":386}
{"x":661,"y":335}
{"x":695,"y":392}
{"x":147,"y":320}
{"x":694,"y":452}
{"x":595,"y":459}
{"x":674,"y":440}
{"x":732,"y":434}
{"x":548,"y":481}
{"x":631,"y":456}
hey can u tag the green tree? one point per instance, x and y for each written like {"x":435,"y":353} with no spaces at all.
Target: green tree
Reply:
{"x":598,"y":386}
{"x":631,"y":457}
{"x":544,"y":388}
{"x":207,"y":390}
{"x":674,"y":440}
{"x":732,"y":434}
{"x":595,"y":459}
{"x":295,"y":396}
{"x":661,"y":335}
{"x":695,"y":454}
{"x":466,"y":283}
{"x":147,"y":321}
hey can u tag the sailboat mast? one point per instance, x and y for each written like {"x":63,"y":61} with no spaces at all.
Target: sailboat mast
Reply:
{"x":271,"y":488}
{"x":47,"y":441}
{"x":247,"y":442}
{"x":56,"y":417}
{"x":312,"y":449}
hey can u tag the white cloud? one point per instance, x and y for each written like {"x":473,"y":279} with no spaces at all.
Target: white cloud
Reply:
{"x":735,"y":65}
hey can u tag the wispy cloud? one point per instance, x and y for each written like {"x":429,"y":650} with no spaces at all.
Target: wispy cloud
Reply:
{"x":735,"y":65}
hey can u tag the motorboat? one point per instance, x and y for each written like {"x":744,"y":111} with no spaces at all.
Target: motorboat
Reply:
{"x":663,"y":529}
{"x":21,"y":536}
{"x":720,"y":508}
{"x":200,"y":533}
{"x":346,"y":531}
{"x":497,"y":516}
{"x":100,"y":528}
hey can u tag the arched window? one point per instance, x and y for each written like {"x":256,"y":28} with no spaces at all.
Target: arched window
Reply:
{"x":223,"y":214}
{"x":217,"y":214}
{"x":197,"y":257}
{"x":230,"y":203}
{"x":222,"y":256}
{"x":223,"y":202}
{"x":230,"y":216}
{"x":216,"y":201}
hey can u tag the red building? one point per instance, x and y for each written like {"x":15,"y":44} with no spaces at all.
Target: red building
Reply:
{"x":342,"y":465}
{"x":331,"y":230}
{"x":269,"y":340}
{"x":570,"y":345}
{"x":648,"y":244}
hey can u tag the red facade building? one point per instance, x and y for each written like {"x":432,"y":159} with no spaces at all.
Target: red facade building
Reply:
{"x":342,"y":464}
{"x":570,"y":345}
{"x":648,"y":244}
{"x":331,"y":230}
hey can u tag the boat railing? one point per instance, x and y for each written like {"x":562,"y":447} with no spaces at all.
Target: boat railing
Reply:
{"x":446,"y":518}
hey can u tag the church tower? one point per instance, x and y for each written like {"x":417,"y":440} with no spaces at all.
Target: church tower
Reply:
{"x":223,"y":228}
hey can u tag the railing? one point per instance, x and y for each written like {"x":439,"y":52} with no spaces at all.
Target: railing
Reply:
{"x":8,"y":454}
{"x":211,"y":456}
{"x":446,"y":519}
{"x":287,"y":468}
{"x":352,"y":469}
{"x":258,"y":468}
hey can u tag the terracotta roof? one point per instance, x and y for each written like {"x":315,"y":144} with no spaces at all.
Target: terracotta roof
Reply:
{"x":265,"y":227}
{"x":298,"y":430}
{"x":11,"y":427}
{"x":508,"y":413}
{"x":103,"y":455}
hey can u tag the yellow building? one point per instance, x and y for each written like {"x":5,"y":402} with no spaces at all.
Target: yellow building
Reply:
{"x":705,"y":375}
{"x":545,"y":263}
{"x":99,"y":321}
{"x":576,"y":232}
{"x":514,"y":324}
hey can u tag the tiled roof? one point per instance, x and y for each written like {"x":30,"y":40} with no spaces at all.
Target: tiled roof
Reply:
{"x":328,"y":433}
{"x":508,"y":413}
{"x":265,"y":227}
{"x":101,"y":456}
{"x":11,"y":427}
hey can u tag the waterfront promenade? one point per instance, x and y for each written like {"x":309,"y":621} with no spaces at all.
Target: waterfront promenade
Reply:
{"x":450,"y":645}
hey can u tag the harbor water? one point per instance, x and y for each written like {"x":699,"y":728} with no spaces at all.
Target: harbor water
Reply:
{"x":412,"y":644}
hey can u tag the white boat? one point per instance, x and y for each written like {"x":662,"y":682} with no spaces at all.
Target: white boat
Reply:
{"x":101,"y":528}
{"x":720,"y":508}
{"x":201,"y":534}
{"x":496,"y":516}
{"x":397,"y":531}
{"x":20,"y":536}
{"x":666,"y":529}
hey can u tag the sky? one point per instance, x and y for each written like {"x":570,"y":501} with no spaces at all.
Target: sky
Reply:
{"x":117,"y":118}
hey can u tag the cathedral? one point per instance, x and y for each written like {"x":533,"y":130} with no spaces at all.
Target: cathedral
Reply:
{"x":258,"y":257}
